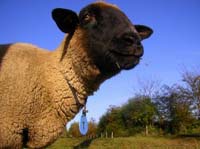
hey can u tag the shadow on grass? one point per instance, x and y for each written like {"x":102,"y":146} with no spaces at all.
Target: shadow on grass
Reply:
{"x":85,"y":144}
{"x":197,"y":135}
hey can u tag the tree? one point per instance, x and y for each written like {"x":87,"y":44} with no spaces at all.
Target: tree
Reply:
{"x":92,"y":128}
{"x":173,"y":110}
{"x":131,"y":118}
{"x":139,"y":112}
{"x":74,"y":130}
{"x":191,"y":90}
{"x":112,"y":121}
{"x":147,"y":88}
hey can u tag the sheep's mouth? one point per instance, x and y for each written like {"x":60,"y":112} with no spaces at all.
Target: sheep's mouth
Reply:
{"x":124,"y":54}
{"x":126,"y":59}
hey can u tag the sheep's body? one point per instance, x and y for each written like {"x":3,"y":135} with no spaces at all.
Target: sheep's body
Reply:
{"x":40,"y":101}
{"x":40,"y":91}
{"x":21,"y":77}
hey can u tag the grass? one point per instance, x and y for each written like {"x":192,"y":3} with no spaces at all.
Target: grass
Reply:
{"x":66,"y":143}
{"x":128,"y":143}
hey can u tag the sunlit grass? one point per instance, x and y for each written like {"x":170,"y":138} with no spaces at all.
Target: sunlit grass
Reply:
{"x":128,"y":143}
{"x":145,"y":142}
{"x":66,"y":143}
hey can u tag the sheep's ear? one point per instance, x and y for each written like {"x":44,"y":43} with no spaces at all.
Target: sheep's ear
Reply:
{"x":144,"y":31}
{"x":66,"y":20}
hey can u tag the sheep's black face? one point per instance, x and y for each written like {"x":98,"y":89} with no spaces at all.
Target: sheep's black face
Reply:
{"x":114,"y":43}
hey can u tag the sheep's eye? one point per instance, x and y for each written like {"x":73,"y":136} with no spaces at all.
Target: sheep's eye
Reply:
{"x":89,"y":20}
{"x":86,"y":17}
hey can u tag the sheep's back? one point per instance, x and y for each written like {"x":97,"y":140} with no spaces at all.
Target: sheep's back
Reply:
{"x":20,"y":71}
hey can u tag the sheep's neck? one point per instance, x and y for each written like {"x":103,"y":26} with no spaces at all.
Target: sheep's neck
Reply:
{"x":78,"y":68}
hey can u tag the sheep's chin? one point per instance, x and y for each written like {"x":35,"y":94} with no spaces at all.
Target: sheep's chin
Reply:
{"x":125,"y":62}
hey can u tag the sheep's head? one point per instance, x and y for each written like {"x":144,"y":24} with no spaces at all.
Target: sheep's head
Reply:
{"x":113,"y":42}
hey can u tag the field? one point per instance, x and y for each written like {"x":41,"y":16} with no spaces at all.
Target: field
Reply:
{"x":128,"y":143}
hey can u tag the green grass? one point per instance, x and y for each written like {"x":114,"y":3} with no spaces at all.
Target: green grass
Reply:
{"x":66,"y":143}
{"x":128,"y":143}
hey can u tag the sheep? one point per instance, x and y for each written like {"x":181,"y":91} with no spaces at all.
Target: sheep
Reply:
{"x":41,"y":90}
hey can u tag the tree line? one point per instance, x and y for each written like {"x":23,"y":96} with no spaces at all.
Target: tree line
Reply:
{"x":153,"y":110}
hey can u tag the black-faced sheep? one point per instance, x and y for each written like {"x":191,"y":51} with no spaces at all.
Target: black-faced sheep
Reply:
{"x":40,"y":91}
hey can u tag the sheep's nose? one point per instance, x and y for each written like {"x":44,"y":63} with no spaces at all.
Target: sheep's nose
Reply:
{"x":139,"y":51}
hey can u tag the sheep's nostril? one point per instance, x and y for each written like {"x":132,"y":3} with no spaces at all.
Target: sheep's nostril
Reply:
{"x":139,"y":51}
{"x":129,"y":40}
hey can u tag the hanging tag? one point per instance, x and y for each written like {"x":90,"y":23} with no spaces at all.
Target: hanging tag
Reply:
{"x":83,"y":124}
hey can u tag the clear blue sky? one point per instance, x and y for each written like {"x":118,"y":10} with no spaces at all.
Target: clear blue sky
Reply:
{"x":174,"y":44}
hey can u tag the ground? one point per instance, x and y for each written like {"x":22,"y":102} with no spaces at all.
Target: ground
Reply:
{"x":138,"y":142}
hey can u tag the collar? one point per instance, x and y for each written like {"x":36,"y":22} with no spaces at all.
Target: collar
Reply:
{"x":74,"y":92}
